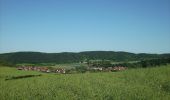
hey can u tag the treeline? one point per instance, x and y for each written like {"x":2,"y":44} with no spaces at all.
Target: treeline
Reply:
{"x":99,"y":63}
{"x":142,"y":64}
{"x":146,"y":63}
{"x":37,"y":57}
{"x":69,"y":57}
{"x":6,"y":63}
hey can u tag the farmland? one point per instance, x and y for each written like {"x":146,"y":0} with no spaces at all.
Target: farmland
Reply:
{"x":132,"y":84}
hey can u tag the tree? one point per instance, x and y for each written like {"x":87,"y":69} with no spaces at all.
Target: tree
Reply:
{"x":81,"y":69}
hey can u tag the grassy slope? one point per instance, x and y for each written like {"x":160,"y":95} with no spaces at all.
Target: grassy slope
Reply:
{"x":134,"y":84}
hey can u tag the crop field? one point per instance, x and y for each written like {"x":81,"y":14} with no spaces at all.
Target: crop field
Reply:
{"x":132,"y":84}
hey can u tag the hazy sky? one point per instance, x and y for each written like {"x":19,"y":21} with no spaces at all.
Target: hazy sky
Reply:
{"x":85,"y":25}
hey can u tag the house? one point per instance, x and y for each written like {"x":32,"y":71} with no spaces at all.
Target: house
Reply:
{"x":119,"y":68}
{"x":97,"y":68}
{"x":42,"y":69}
{"x":60,"y":70}
{"x":108,"y":69}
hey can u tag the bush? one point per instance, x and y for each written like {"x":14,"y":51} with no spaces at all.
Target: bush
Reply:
{"x":5,"y":63}
{"x":81,"y":69}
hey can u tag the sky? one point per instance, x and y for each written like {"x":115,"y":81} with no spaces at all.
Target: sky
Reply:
{"x":138,"y":26}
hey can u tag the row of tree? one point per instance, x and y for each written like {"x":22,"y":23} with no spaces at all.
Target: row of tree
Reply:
{"x":146,"y":63}
{"x":142,"y":63}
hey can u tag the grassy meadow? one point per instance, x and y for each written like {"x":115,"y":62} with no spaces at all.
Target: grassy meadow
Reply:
{"x":132,"y":84}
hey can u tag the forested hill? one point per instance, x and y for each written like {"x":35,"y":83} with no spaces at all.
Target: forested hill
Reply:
{"x":70,"y":57}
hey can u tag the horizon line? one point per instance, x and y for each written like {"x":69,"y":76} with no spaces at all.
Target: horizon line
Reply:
{"x":85,"y":51}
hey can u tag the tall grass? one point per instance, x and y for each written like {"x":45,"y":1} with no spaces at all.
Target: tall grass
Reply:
{"x":133,"y":84}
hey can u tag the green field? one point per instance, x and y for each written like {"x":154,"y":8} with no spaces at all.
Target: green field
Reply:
{"x":133,"y":84}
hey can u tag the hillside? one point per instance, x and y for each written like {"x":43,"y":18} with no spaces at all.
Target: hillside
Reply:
{"x":71,"y":57}
{"x":134,"y":84}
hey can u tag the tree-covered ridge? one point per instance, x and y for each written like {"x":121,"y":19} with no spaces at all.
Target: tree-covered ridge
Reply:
{"x":71,"y":57}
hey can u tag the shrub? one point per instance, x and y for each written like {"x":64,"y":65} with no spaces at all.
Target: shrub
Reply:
{"x":81,"y":69}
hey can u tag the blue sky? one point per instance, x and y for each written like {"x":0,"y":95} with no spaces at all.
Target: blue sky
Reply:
{"x":85,"y":25}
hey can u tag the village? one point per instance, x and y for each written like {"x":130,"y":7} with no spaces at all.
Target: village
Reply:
{"x":42,"y":69}
{"x":66,"y":71}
